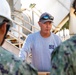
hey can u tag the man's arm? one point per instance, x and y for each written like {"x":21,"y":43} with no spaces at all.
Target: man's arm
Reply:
{"x":23,"y":54}
{"x":26,"y":49}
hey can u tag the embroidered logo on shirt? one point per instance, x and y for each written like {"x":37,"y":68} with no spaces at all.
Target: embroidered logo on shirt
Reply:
{"x":51,"y":46}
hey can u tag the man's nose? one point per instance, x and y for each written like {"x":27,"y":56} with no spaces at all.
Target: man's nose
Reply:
{"x":47,"y":25}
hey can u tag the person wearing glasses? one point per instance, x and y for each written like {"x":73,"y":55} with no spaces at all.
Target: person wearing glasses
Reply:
{"x":41,"y":44}
{"x":10,"y":64}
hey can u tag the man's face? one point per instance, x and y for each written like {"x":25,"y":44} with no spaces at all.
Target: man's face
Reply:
{"x":2,"y":33}
{"x":45,"y":27}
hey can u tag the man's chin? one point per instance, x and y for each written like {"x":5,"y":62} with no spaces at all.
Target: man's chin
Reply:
{"x":47,"y":32}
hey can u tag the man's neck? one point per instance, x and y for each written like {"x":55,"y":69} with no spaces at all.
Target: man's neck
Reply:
{"x":45,"y":35}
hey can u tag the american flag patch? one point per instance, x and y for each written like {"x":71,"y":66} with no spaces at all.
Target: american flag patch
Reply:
{"x":51,"y":46}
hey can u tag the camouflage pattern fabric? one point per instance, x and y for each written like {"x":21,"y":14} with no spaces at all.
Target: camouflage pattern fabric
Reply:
{"x":64,"y":58}
{"x":13,"y":65}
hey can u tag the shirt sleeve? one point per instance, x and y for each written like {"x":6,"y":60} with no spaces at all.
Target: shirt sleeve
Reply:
{"x":62,"y":60}
{"x":26,"y":48}
{"x":57,"y":40}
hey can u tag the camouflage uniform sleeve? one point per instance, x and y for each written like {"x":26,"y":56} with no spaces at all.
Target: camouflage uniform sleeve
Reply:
{"x":64,"y":59}
{"x":13,"y":65}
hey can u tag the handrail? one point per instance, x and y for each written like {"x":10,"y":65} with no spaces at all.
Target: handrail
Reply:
{"x":19,"y":32}
{"x":9,"y":33}
{"x":22,"y":26}
{"x":61,"y":24}
{"x":25,"y":21}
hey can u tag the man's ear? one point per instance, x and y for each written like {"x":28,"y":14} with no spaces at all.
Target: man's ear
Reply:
{"x":39,"y":24}
{"x":3,"y":29}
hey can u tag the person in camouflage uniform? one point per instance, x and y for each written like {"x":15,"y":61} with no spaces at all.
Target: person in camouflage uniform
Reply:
{"x":10,"y":64}
{"x":64,"y":58}
{"x":13,"y":65}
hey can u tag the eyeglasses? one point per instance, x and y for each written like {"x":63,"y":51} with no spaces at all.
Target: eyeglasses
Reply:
{"x":5,"y":21}
{"x":46,"y":17}
{"x":7,"y":28}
